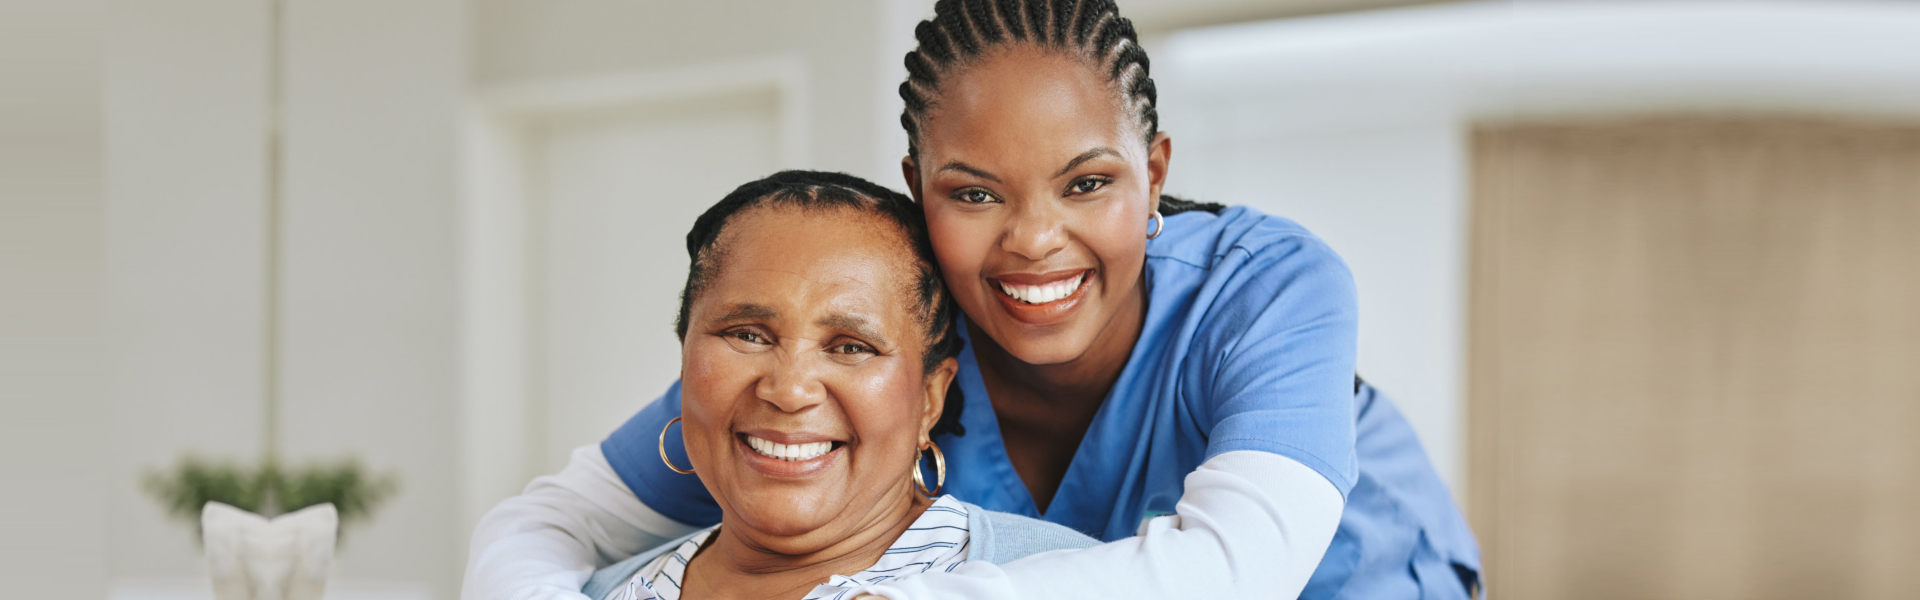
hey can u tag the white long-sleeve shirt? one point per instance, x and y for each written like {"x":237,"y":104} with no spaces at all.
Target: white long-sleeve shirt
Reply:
{"x":1250,"y":525}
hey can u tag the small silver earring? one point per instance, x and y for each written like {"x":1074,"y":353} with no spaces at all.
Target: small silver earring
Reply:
{"x":1159,"y":223}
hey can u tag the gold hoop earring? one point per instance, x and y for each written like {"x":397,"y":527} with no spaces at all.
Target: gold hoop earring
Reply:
{"x":1159,"y":223}
{"x":939,"y":472}
{"x":663,"y":448}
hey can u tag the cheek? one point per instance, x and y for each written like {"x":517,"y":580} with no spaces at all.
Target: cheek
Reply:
{"x":884,"y":411}
{"x":1117,"y":233}
{"x":959,"y":243}
{"x":712,"y":379}
{"x":704,"y":373}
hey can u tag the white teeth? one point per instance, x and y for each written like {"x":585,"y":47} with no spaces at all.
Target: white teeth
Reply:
{"x":1042,"y":294}
{"x":780,"y":451}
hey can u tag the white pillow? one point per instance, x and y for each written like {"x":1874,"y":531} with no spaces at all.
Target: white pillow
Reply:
{"x":253,"y":558}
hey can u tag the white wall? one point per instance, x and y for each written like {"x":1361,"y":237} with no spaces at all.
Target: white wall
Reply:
{"x":837,"y":41}
{"x":185,"y":98}
{"x":366,"y":266}
{"x":53,"y":455}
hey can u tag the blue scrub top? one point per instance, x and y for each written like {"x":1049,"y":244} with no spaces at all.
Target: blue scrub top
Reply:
{"x":1248,"y":344}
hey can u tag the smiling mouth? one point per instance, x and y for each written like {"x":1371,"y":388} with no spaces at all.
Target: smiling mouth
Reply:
{"x":1044,"y":293}
{"x":789,"y":452}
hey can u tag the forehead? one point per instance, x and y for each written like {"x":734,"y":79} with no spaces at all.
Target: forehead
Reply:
{"x":813,"y":260}
{"x":1022,"y":97}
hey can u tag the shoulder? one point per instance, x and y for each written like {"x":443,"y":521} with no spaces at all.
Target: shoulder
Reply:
{"x":998,"y":537}
{"x":612,"y":576}
{"x":1238,"y":237}
{"x":1243,"y":247}
{"x":1241,"y":263}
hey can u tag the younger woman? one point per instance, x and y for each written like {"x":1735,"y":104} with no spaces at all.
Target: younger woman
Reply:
{"x":1176,"y":381}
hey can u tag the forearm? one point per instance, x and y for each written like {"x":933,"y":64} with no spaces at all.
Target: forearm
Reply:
{"x":544,"y":543}
{"x":1250,"y":525}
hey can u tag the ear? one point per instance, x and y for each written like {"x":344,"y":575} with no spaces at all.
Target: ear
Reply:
{"x":1159,"y":154}
{"x":934,"y":396}
{"x":911,"y":171}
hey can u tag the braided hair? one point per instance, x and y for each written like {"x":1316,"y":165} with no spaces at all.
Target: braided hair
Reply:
{"x":933,"y":307}
{"x":963,"y":31}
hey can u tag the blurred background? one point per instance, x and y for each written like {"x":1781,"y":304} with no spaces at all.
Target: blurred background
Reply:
{"x":1644,"y":275}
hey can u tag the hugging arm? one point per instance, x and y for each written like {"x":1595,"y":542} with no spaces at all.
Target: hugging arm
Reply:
{"x":544,"y":543}
{"x":1251,"y":525}
{"x":1275,"y":368}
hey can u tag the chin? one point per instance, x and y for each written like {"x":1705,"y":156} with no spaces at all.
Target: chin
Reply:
{"x":785,"y":515}
{"x":1052,"y":349}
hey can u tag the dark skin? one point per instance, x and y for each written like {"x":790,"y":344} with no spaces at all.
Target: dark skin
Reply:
{"x":1044,"y":414}
{"x":806,"y":335}
{"x":1033,"y":172}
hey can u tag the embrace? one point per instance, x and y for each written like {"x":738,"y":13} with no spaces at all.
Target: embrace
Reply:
{"x":1031,"y":376}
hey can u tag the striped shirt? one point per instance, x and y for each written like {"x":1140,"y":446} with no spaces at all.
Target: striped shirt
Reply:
{"x":937,"y":541}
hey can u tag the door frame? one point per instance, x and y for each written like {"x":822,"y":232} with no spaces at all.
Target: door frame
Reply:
{"x":501,"y":420}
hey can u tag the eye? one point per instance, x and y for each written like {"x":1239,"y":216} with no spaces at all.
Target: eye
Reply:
{"x":1088,"y":185}
{"x":850,"y":352}
{"x":851,"y":348}
{"x":973,"y":196}
{"x":745,"y":335}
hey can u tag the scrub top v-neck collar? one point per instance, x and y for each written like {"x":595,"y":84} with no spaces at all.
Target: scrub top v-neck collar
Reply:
{"x":984,"y":436}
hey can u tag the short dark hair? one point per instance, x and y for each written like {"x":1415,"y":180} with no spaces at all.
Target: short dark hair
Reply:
{"x":933,"y":307}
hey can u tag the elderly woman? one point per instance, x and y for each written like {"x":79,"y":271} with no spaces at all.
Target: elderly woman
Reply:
{"x":817,"y":355}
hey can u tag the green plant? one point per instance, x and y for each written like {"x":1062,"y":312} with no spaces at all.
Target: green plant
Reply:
{"x":270,"y":489}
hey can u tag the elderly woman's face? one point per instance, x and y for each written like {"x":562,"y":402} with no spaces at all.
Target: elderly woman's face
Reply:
{"x":805,"y":398}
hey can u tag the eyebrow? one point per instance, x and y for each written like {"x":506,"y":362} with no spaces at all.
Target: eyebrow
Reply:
{"x":970,"y":170}
{"x":746,"y":312}
{"x":857,"y":324}
{"x":1077,"y":161}
{"x":1087,"y":156}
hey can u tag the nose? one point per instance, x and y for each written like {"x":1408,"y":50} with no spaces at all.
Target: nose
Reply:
{"x":793,"y":385}
{"x":1038,"y":230}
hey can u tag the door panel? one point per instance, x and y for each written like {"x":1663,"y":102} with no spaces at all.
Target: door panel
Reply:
{"x":1695,"y":359}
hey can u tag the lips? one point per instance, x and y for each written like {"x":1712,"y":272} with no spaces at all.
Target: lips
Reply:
{"x":788,"y":452}
{"x":1043,"y":293}
{"x":787,"y":455}
{"x":1041,"y":298}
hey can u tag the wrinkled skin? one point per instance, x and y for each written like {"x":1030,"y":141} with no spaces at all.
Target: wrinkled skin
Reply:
{"x":806,"y":334}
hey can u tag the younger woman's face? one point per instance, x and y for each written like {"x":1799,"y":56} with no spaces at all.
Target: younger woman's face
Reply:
{"x":1037,"y":185}
{"x":805,"y":398}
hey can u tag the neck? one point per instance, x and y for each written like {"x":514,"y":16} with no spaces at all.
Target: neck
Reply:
{"x":1083,"y":379}
{"x":739,"y":564}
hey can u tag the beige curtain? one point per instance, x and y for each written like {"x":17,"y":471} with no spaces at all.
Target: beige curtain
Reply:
{"x":1695,"y":359}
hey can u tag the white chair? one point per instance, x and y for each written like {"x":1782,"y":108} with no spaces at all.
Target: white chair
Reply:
{"x":254,"y":558}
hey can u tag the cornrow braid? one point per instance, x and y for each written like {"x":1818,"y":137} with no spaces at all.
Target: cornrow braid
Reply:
{"x":961,"y":31}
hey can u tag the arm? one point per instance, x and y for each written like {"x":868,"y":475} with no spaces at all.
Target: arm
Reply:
{"x":1270,"y":374}
{"x":1251,"y":524}
{"x":544,"y":543}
